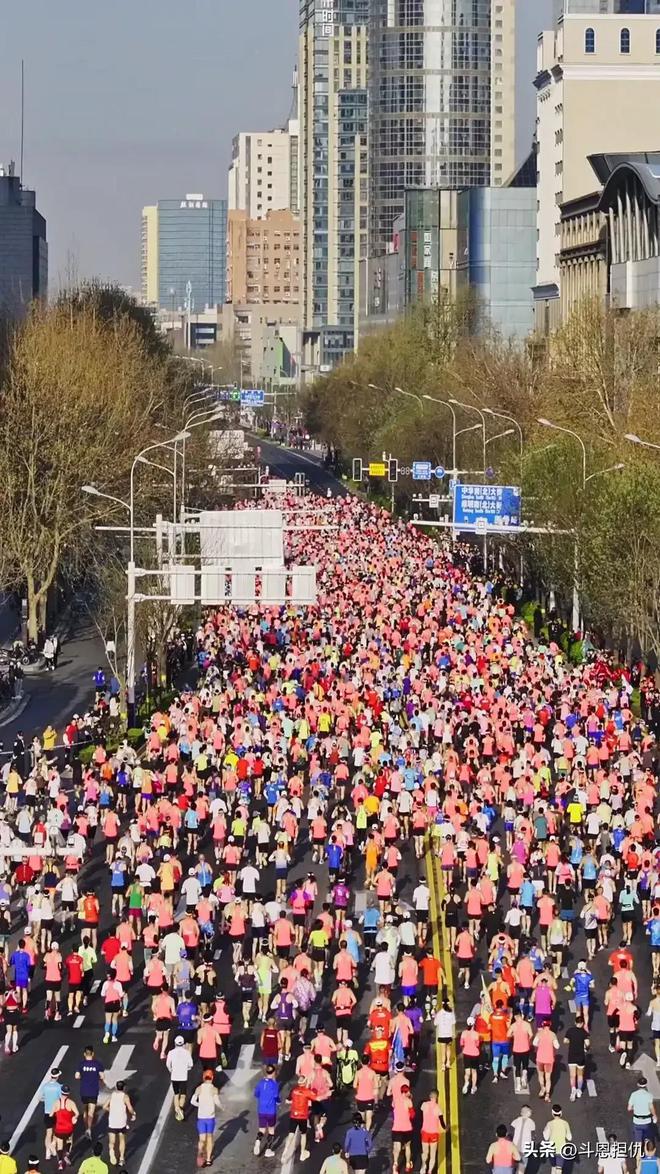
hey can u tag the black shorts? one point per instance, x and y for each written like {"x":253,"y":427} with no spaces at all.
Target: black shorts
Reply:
{"x":402,"y":1135}
{"x":470,"y":1062}
{"x":365,"y":1106}
{"x":163,"y":1024}
{"x":112,"y":1008}
{"x":299,"y":919}
{"x":301,"y":1127}
{"x":283,"y":951}
{"x":54,"y":986}
{"x":179,"y":1087}
{"x":422,"y":915}
{"x":49,"y":1120}
{"x":90,"y":1100}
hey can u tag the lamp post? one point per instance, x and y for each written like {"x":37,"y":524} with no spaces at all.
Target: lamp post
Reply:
{"x":642,"y":443}
{"x":447,"y":404}
{"x":512,"y":419}
{"x":472,"y":408}
{"x":500,"y":436}
{"x":130,"y":573}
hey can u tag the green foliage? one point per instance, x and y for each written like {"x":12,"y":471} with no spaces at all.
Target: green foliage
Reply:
{"x":597,"y":378}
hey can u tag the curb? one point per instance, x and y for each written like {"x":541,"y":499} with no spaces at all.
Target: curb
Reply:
{"x":14,"y":710}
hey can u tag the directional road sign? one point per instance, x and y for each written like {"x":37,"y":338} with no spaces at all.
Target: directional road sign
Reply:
{"x":252,"y":397}
{"x":421,"y":470}
{"x":487,"y":505}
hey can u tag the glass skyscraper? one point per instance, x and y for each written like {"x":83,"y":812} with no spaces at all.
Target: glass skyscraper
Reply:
{"x":183,"y":241}
{"x":431,"y":65}
{"x":332,"y":78}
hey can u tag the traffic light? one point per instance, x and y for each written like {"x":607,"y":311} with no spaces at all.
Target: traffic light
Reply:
{"x":357,"y":469}
{"x":393,"y":469}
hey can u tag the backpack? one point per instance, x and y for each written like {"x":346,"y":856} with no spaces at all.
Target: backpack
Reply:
{"x":348,"y":1067}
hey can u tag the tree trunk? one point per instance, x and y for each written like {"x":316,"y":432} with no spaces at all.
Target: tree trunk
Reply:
{"x":32,"y":609}
{"x":43,"y":611}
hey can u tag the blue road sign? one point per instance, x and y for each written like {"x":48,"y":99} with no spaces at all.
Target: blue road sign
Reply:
{"x":421,"y":470}
{"x":252,"y":397}
{"x":439,"y":472}
{"x":487,"y":505}
{"x":452,"y":484}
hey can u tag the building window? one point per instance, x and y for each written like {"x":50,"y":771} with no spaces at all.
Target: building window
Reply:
{"x":589,"y":41}
{"x":624,"y":41}
{"x":657,"y":40}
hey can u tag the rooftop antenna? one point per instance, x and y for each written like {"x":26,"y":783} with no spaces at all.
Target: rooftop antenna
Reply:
{"x":22,"y":115}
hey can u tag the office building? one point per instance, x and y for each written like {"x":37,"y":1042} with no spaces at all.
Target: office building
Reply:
{"x":610,"y":237}
{"x":184,"y":247}
{"x":23,"y":247}
{"x":263,"y":175}
{"x":598,"y":92}
{"x":333,"y":174}
{"x":263,"y":258}
{"x":442,"y":79}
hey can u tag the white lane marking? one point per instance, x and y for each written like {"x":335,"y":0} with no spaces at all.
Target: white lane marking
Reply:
{"x":79,"y":1020}
{"x":243,"y":1073}
{"x":564,"y":972}
{"x":591,"y":1088}
{"x":96,"y":986}
{"x":571,"y":1006}
{"x":154,"y":1140}
{"x":120,"y":1069}
{"x":601,"y":1135}
{"x":360,"y":903}
{"x":217,"y":954}
{"x":314,"y":1020}
{"x":27,"y":1116}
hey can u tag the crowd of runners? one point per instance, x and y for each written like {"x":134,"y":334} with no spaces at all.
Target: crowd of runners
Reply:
{"x":266,"y":872}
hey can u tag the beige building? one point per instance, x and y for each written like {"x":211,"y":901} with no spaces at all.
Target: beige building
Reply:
{"x":149,"y":255}
{"x":598,"y":90}
{"x":263,"y":176}
{"x":263,"y":258}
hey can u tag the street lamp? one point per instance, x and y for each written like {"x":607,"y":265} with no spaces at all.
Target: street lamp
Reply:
{"x":130,"y":598}
{"x":410,"y":395}
{"x":611,"y":469}
{"x":576,"y":436}
{"x":500,"y":435}
{"x":445,"y":403}
{"x":512,"y":419}
{"x":638,"y":440}
{"x":472,"y":408}
{"x":94,"y":492}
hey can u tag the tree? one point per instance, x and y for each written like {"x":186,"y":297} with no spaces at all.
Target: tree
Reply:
{"x":112,"y":305}
{"x":76,"y":406}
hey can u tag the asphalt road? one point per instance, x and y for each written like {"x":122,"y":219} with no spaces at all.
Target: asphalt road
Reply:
{"x":157,"y":1142}
{"x":602,"y":1108}
{"x":286,"y":462}
{"x":54,"y":697}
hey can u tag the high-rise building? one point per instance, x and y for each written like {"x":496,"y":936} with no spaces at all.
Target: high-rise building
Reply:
{"x":23,"y":247}
{"x":442,"y":100}
{"x":598,"y":91}
{"x":184,"y":241}
{"x":333,"y":173}
{"x":263,"y":175}
{"x":263,"y":258}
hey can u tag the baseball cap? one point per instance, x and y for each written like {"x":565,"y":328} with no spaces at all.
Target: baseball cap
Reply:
{"x":178,"y":1040}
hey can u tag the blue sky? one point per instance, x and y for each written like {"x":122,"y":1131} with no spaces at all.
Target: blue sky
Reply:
{"x":131,"y":101}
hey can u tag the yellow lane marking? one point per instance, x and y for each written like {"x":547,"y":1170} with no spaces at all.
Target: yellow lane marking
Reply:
{"x":438,"y":952}
{"x":449,"y":1080}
